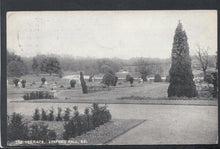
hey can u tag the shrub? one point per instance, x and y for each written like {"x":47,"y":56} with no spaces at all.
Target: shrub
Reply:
{"x":23,"y":82}
{"x":16,"y":82}
{"x":43,"y":80}
{"x":38,"y":95}
{"x":40,"y":131}
{"x":72,"y":83}
{"x":127,"y":77}
{"x":82,"y":123}
{"x":67,"y":114}
{"x":17,"y":129}
{"x":43,"y":115}
{"x":109,"y":79}
{"x":59,"y":118}
{"x":36,"y":115}
{"x":51,"y":116}
{"x":208,"y":78}
{"x":157,"y":78}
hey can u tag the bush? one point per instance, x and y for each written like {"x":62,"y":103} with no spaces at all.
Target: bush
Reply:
{"x":72,"y":83}
{"x":38,"y":95}
{"x":17,"y":129}
{"x":157,"y":78}
{"x":40,"y":131}
{"x":67,"y":114}
{"x":15,"y":81}
{"x":36,"y":115}
{"x":43,"y":80}
{"x":23,"y":82}
{"x":127,"y":77}
{"x":109,"y":79}
{"x":43,"y":115}
{"x":81,"y":123}
{"x":51,"y":116}
{"x":59,"y":118}
{"x":208,"y":78}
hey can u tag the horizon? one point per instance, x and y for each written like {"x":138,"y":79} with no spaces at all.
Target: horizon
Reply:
{"x":108,"y":34}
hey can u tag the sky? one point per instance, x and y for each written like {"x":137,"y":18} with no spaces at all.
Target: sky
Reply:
{"x":108,"y":34}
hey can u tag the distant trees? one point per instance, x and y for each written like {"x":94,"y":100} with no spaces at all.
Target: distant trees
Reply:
{"x":181,"y":77}
{"x":35,"y":66}
{"x":50,"y":65}
{"x":203,"y":58}
{"x":142,"y":69}
{"x":15,"y":65}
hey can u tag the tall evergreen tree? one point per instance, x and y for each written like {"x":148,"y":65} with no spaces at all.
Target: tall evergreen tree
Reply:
{"x":35,"y":65}
{"x":181,"y":77}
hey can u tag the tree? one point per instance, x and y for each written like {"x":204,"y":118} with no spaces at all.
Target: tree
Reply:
{"x":157,"y":78}
{"x":50,"y":65}
{"x":16,"y":68}
{"x":181,"y":77}
{"x":203,"y":57}
{"x":142,"y":69}
{"x":35,"y":66}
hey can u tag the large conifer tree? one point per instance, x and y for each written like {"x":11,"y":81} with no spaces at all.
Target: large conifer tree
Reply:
{"x":181,"y":77}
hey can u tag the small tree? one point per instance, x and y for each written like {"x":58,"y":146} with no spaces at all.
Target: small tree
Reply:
{"x":72,"y":83}
{"x":131,"y":80}
{"x":23,"y":82}
{"x":67,"y":114}
{"x":127,"y":77}
{"x":59,"y":118}
{"x":51,"y":116}
{"x":157,"y":78}
{"x":44,"y":115}
{"x":83,"y":84}
{"x":36,"y":115}
{"x":16,"y":82}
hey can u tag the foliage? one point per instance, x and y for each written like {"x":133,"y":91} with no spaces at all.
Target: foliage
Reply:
{"x":59,"y":118}
{"x":157,"y":78}
{"x":83,"y":84}
{"x":81,"y":123}
{"x":66,"y":116}
{"x":51,"y":116}
{"x":109,"y":79}
{"x":181,"y":77}
{"x":72,"y":83}
{"x":38,"y":95}
{"x":36,"y":115}
{"x":44,"y":116}
{"x":17,"y":129}
{"x":15,"y":81}
{"x":15,"y":66}
{"x":35,"y":66}
{"x":40,"y":131}
{"x":50,"y":65}
{"x":214,"y":82}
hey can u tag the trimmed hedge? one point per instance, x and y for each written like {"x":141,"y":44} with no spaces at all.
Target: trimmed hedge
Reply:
{"x":38,"y":95}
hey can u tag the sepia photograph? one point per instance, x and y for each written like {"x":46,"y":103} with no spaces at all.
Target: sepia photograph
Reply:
{"x":131,"y":77}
